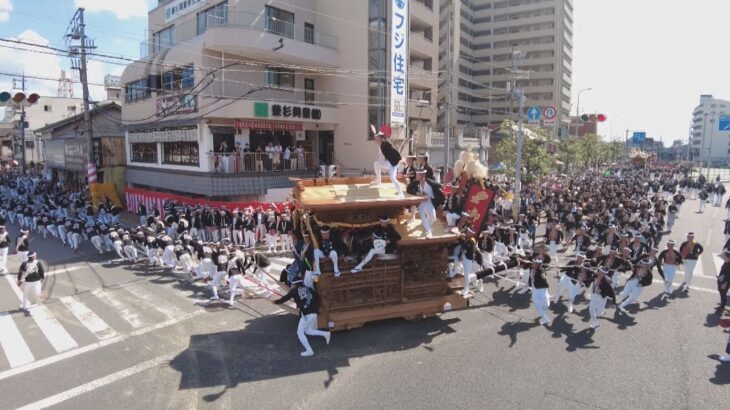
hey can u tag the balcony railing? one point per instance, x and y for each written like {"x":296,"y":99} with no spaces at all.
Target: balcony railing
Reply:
{"x":251,"y":163}
{"x":239,"y":19}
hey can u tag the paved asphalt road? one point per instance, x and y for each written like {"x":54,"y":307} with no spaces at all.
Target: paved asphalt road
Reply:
{"x":114,"y":336}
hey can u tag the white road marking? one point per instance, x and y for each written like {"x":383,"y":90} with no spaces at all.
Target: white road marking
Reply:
{"x":718,"y":262}
{"x":54,"y":332}
{"x":89,"y":319}
{"x":95,"y":384}
{"x":110,"y":298}
{"x":81,"y":350}
{"x":12,"y":342}
{"x":68,"y":269}
{"x":161,"y":305}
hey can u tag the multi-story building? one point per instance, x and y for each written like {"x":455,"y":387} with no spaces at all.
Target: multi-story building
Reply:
{"x":483,"y":38}
{"x":710,"y":139}
{"x":218,"y":76}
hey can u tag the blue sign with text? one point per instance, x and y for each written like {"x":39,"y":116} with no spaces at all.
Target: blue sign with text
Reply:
{"x":724,"y":123}
{"x":638,"y":137}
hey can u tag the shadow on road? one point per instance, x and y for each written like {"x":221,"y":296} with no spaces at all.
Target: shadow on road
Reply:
{"x":722,"y":371}
{"x":227,"y":359}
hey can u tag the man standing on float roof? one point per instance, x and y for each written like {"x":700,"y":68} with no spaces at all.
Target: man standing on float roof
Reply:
{"x":389,"y":160}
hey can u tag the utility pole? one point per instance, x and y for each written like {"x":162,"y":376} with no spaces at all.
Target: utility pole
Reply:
{"x":447,"y":129}
{"x":520,"y":94}
{"x":22,"y":123}
{"x":77,"y":32}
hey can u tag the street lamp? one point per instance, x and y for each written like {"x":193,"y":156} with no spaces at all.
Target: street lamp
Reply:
{"x":577,"y":110}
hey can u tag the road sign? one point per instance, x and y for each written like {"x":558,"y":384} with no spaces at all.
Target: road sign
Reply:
{"x":533,"y":114}
{"x":638,"y":137}
{"x":724,"y":123}
{"x":549,"y":113}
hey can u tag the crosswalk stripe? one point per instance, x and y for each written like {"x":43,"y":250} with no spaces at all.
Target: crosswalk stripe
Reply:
{"x":59,"y":338}
{"x":110,"y":298}
{"x":157,"y":303}
{"x":718,"y":263}
{"x":12,"y":342}
{"x":68,"y":269}
{"x":94,"y":323}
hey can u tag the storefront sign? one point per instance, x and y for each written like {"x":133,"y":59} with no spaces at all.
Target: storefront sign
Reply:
{"x":176,"y":104}
{"x":76,"y":154}
{"x":54,"y":153}
{"x":180,"y":8}
{"x":165,"y":135}
{"x":269,"y":125}
{"x":97,"y":152}
{"x":261,"y":110}
{"x":399,"y":64}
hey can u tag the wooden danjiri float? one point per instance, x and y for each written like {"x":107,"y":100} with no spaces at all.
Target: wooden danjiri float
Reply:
{"x":410,"y":283}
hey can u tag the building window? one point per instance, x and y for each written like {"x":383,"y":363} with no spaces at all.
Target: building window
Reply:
{"x":164,"y":38}
{"x":136,"y":90}
{"x":144,"y":152}
{"x":308,"y":91}
{"x":47,"y":108}
{"x":309,"y":33}
{"x":279,"y":77}
{"x":279,"y":22}
{"x":30,"y":144}
{"x":215,"y":16}
{"x":180,"y":78}
{"x":180,"y":153}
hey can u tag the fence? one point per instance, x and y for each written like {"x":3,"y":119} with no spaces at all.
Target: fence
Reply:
{"x":258,"y":162}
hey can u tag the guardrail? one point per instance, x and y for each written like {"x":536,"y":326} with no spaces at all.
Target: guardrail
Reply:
{"x":259,"y":162}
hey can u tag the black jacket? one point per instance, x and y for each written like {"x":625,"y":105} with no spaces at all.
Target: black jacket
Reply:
{"x":438,"y":194}
{"x":390,"y":153}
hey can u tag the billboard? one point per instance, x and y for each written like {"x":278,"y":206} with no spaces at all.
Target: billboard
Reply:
{"x":398,"y":62}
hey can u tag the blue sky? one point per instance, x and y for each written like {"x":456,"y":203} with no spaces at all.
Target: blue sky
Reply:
{"x":117,"y":26}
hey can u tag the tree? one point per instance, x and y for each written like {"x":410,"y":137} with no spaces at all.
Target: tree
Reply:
{"x":536,"y":160}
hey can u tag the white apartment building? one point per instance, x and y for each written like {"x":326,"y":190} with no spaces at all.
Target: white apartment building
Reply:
{"x":710,"y":138}
{"x":483,"y":36}
{"x":216,"y":75}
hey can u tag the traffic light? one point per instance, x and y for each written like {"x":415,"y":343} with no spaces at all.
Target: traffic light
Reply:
{"x":593,"y":117}
{"x":19,"y":99}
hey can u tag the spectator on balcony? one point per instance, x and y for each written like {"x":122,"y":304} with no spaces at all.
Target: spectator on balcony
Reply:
{"x":276,"y":164}
{"x":237,"y":157}
{"x":287,"y":158}
{"x":259,"y":159}
{"x":224,"y":158}
{"x":270,"y":150}
{"x":247,"y":157}
{"x":300,"y":157}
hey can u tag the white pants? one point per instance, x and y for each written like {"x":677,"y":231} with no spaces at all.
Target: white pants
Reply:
{"x":186,"y":262}
{"x":250,"y":238}
{"x":540,"y":298}
{"x":382,"y":165}
{"x":468,"y":274}
{"x":689,"y":270}
{"x":567,"y":289}
{"x":31,"y":292}
{"x":370,"y":256}
{"x":169,"y":260}
{"x":53,"y":229}
{"x":3,"y":260}
{"x":62,"y":233}
{"x":206,"y":269}
{"x":152,"y":255}
{"x":74,"y":239}
{"x":332,"y":255}
{"x":217,"y":280}
{"x":271,"y":242}
{"x":596,"y":307}
{"x":22,"y":256}
{"x":631,"y":292}
{"x":308,"y":327}
{"x":238,"y":237}
{"x":119,"y":248}
{"x":702,"y":205}
{"x":428,"y":215}
{"x":452,"y":218}
{"x":98,"y":243}
{"x":235,"y":282}
{"x":130,"y":252}
{"x":669,"y":272}
{"x":286,"y":242}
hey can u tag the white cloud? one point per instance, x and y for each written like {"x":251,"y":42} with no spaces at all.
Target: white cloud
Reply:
{"x":6,"y":6}
{"x":123,"y":10}
{"x":32,"y":63}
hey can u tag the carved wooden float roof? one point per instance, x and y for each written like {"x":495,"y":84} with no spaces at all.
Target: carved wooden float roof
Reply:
{"x":349,"y":194}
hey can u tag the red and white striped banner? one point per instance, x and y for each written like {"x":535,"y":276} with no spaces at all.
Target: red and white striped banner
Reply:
{"x":156,"y":200}
{"x":91,"y":172}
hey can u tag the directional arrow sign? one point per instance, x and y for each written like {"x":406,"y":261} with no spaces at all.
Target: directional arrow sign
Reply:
{"x":533,"y":114}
